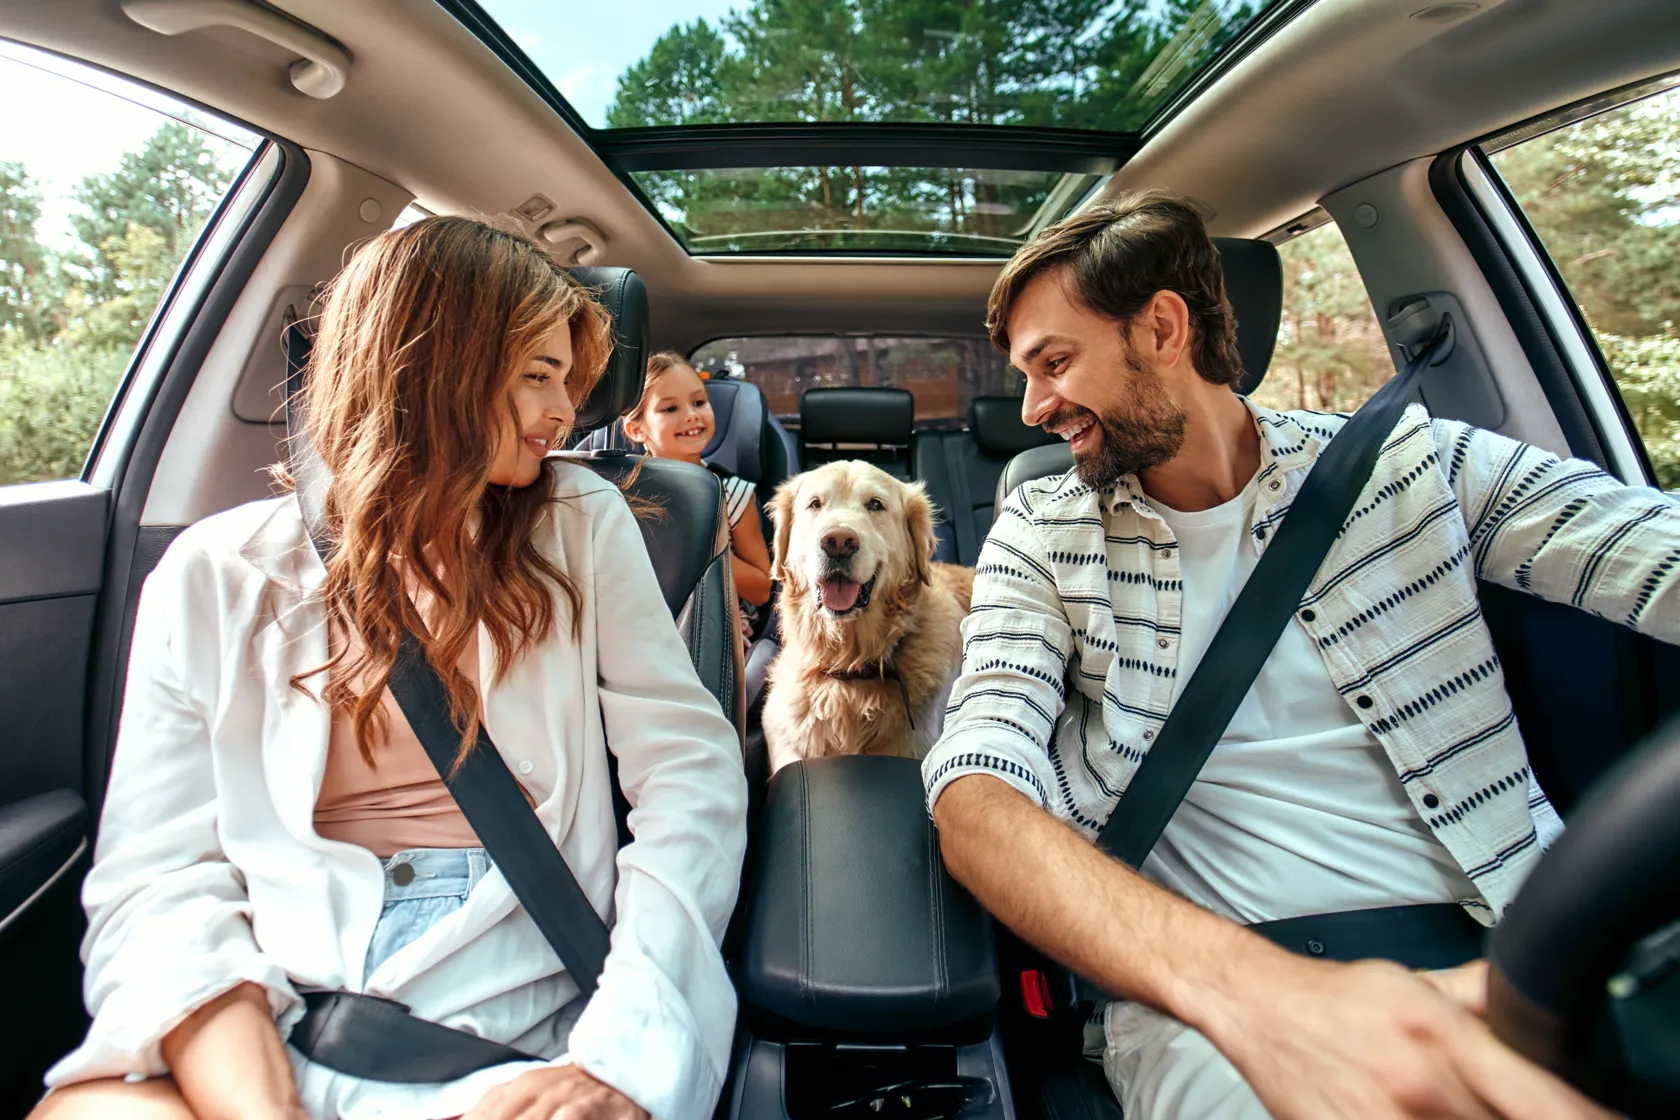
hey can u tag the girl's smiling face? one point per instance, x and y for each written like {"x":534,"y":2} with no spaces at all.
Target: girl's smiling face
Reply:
{"x":675,"y":421}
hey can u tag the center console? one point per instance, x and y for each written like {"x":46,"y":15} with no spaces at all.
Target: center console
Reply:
{"x":869,"y":978}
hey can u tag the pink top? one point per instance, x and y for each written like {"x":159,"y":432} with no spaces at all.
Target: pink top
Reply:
{"x":402,"y":804}
{"x":398,"y":803}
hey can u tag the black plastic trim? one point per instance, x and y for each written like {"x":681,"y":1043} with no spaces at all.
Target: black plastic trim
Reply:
{"x":999,"y":147}
{"x":139,"y":466}
{"x":1534,"y":333}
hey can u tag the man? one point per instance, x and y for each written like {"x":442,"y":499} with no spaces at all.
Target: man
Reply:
{"x":1374,"y":762}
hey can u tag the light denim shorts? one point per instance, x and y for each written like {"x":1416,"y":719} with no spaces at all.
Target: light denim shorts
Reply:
{"x":422,"y":887}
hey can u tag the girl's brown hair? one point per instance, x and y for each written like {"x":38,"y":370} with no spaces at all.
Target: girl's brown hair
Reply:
{"x":659,"y":363}
{"x":409,"y":383}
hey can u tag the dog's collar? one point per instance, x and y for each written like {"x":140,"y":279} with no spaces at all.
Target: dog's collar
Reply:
{"x":886,"y":669}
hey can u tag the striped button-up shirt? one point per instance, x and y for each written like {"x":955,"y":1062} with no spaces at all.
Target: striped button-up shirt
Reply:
{"x":1071,"y":652}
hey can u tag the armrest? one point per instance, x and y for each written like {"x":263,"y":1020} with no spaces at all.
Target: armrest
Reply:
{"x":38,"y":836}
{"x":855,"y":927}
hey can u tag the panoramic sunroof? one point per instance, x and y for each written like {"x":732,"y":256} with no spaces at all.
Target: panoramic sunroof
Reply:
{"x":874,"y":126}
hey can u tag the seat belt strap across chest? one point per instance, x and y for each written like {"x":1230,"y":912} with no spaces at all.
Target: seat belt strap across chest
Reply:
{"x":1256,"y":620}
{"x":378,"y":1039}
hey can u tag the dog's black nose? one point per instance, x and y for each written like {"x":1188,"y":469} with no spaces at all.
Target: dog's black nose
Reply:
{"x":840,"y":544}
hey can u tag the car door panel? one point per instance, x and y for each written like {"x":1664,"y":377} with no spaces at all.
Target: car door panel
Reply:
{"x":52,"y":538}
{"x":40,"y":837}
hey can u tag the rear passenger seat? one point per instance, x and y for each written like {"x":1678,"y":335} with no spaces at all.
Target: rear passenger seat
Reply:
{"x":872,"y":424}
{"x":961,"y":471}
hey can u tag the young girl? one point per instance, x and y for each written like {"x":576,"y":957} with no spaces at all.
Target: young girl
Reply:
{"x":273,"y":825}
{"x":673,"y":420}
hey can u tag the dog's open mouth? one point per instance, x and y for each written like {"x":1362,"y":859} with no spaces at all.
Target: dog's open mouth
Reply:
{"x":840,"y":595}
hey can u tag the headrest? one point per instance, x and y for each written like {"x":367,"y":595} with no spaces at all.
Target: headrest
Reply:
{"x":741,"y":421}
{"x":1040,"y":462}
{"x":876,"y":416}
{"x":996,"y":425}
{"x":624,"y":296}
{"x":1254,"y":285}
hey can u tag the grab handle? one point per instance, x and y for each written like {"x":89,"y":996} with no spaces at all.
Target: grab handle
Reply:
{"x":320,"y":73}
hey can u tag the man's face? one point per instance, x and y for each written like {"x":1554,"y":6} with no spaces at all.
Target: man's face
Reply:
{"x":1087,"y":383}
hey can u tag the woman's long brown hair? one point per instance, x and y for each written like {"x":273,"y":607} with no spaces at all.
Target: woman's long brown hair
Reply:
{"x":409,"y":381}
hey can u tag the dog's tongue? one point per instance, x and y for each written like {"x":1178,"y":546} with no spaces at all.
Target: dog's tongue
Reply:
{"x":839,"y":594}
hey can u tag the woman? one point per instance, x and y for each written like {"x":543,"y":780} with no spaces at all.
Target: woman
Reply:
{"x":273,"y":825}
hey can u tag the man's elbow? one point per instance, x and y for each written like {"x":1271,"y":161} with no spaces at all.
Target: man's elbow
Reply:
{"x":958,"y":815}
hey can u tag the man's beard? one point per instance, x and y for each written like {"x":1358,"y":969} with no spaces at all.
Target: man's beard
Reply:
{"x":1145,"y":430}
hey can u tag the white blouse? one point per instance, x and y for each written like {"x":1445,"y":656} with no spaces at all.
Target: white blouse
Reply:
{"x":208,"y":871}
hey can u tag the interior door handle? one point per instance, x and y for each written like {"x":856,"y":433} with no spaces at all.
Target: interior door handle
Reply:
{"x":320,"y":73}
{"x":41,"y":837}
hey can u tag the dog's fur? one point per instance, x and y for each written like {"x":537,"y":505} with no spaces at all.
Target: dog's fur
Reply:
{"x":908,"y":615}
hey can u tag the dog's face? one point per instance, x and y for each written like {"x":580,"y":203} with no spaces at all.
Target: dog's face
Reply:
{"x":849,"y":532}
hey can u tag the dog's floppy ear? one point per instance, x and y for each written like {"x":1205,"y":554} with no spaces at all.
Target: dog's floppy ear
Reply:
{"x":918,"y":523}
{"x":781,"y":513}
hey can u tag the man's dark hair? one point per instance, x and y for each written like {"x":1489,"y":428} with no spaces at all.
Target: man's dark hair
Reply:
{"x":1118,"y":253}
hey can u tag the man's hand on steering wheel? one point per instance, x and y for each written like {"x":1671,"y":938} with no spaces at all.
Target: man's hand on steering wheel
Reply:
{"x":1323,"y":1041}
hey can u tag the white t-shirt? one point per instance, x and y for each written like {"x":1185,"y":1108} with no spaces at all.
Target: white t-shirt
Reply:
{"x":1298,"y":810}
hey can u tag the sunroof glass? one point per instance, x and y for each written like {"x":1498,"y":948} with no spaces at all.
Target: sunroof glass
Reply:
{"x":1087,"y":64}
{"x":858,"y":209}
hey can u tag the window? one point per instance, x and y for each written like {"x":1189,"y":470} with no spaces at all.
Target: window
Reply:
{"x":944,"y":374}
{"x":103,"y":189}
{"x":1603,"y":197}
{"x":856,"y":126}
{"x":1331,"y":355}
{"x":1089,"y":65}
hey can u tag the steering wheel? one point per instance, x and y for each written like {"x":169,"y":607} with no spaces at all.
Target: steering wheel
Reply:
{"x":1584,"y":973}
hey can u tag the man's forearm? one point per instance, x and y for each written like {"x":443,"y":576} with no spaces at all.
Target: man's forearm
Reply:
{"x":1096,"y":915}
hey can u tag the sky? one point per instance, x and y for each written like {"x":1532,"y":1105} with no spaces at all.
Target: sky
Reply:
{"x":74,"y":130}
{"x":584,"y":47}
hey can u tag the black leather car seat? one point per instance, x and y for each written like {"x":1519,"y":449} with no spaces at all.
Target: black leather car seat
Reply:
{"x":873,"y":424}
{"x":961,"y":469}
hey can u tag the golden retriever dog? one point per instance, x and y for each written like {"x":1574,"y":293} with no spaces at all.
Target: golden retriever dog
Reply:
{"x":870,"y":624}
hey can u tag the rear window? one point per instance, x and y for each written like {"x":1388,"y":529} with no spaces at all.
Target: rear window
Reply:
{"x":943,"y":374}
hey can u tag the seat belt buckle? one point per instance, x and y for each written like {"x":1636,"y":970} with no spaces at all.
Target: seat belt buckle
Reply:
{"x":1035,"y":994}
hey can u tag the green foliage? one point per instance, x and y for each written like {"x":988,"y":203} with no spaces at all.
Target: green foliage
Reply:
{"x":1093,"y":64}
{"x":1604,"y":197}
{"x":1647,"y":372}
{"x":53,"y":397}
{"x":25,"y":274}
{"x":70,"y":322}
{"x":169,"y":187}
{"x":1330,"y":352}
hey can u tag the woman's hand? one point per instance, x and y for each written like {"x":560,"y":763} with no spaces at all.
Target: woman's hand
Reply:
{"x":555,"y":1093}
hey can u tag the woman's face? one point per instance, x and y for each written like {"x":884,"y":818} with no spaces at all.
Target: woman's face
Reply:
{"x":677,"y":423}
{"x":543,"y":403}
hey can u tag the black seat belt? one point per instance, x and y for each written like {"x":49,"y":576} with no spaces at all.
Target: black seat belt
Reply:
{"x":377,"y":1039}
{"x":1427,"y":936}
{"x":962,"y":517}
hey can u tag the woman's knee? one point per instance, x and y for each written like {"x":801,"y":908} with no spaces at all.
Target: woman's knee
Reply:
{"x":114,"y":1099}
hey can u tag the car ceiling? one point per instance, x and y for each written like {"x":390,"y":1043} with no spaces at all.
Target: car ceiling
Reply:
{"x":1345,"y":89}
